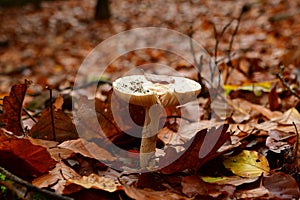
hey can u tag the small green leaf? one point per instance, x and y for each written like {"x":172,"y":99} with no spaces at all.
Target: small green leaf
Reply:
{"x":247,"y":164}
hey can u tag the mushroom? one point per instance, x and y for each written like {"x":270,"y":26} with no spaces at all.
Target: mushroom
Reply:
{"x":154,"y":92}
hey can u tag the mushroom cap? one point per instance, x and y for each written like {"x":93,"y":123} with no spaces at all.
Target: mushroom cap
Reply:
{"x":144,"y":91}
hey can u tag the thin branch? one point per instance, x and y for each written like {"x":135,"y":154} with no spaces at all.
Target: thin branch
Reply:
{"x":200,"y":64}
{"x":52,"y":114}
{"x":29,"y":115}
{"x":244,"y":9}
{"x":281,"y":78}
{"x":297,"y":142}
{"x":17,"y":182}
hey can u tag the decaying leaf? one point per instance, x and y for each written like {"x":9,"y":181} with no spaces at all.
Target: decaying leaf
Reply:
{"x":282,"y":186}
{"x":274,"y":100}
{"x":247,"y":164}
{"x":231,"y":180}
{"x":19,"y":154}
{"x":252,"y":193}
{"x":198,"y":150}
{"x":97,"y":182}
{"x":94,"y":151}
{"x":149,"y":194}
{"x":12,"y":109}
{"x":56,"y":178}
{"x":289,"y":117}
{"x":194,"y":185}
{"x":58,"y":103}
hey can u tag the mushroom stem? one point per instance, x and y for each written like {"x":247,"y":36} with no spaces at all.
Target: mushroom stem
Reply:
{"x":149,"y":136}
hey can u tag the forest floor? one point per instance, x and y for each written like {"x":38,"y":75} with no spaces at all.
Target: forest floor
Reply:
{"x":255,"y":45}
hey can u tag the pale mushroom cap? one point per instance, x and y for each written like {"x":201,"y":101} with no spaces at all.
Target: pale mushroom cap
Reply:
{"x":138,"y":90}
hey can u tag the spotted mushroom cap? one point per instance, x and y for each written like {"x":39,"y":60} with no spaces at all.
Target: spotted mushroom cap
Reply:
{"x":147,"y":90}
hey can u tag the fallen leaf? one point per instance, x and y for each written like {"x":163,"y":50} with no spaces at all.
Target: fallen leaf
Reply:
{"x":252,"y":193}
{"x":63,"y":125}
{"x":94,"y":151}
{"x":231,"y":180}
{"x":149,"y":194}
{"x":97,"y":182}
{"x":247,"y":164}
{"x":58,"y":103}
{"x":194,"y":185}
{"x":12,"y":109}
{"x":56,"y":178}
{"x":277,"y":140}
{"x":289,"y":117}
{"x":274,"y":99}
{"x":21,"y":154}
{"x":198,"y":150}
{"x":282,"y":186}
{"x":253,"y":87}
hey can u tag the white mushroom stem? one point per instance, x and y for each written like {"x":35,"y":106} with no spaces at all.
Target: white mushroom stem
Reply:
{"x":149,"y":136}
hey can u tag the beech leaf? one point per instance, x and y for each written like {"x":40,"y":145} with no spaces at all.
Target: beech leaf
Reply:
{"x":81,"y":146}
{"x":193,"y":186}
{"x":64,"y":127}
{"x":247,"y":164}
{"x":282,"y":186}
{"x":97,"y":182}
{"x":56,"y":178}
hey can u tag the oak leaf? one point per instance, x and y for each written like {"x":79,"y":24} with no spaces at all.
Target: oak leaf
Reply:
{"x":198,"y":150}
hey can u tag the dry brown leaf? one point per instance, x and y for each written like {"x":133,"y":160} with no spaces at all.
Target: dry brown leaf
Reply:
{"x":149,"y":194}
{"x":252,"y":193}
{"x":97,"y":182}
{"x":88,"y":149}
{"x":56,"y":178}
{"x":288,"y":118}
{"x":282,"y":186}
{"x":194,"y":185}
{"x":58,"y":103}
{"x":64,"y":127}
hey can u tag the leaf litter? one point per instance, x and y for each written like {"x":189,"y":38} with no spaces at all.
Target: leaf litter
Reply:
{"x":257,"y":154}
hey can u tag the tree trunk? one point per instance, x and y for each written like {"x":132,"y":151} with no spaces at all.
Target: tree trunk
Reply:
{"x":102,"y":10}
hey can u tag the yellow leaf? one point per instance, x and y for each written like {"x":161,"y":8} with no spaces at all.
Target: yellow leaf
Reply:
{"x":247,"y":164}
{"x":257,"y":88}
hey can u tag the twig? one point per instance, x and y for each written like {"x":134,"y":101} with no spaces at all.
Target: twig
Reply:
{"x":297,"y":142}
{"x":245,"y":9}
{"x":51,"y":113}
{"x":28,"y":187}
{"x":97,"y":82}
{"x":200,"y":64}
{"x":281,"y":78}
{"x":29,"y":115}
{"x":217,"y":37}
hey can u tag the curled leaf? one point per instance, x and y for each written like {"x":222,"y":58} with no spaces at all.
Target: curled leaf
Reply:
{"x":12,"y":109}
